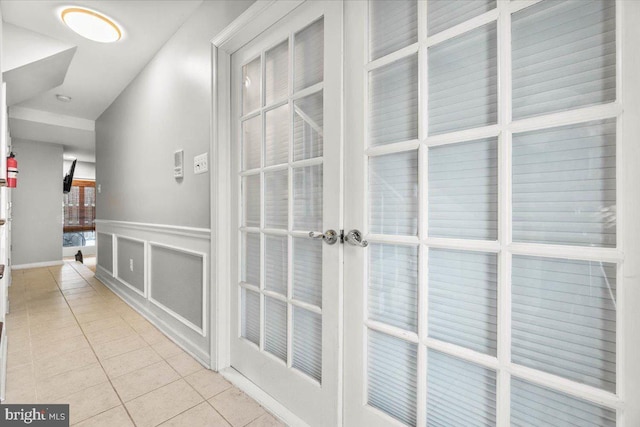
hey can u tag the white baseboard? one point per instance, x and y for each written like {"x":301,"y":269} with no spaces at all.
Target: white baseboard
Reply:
{"x":264,"y":399}
{"x":36,"y":265}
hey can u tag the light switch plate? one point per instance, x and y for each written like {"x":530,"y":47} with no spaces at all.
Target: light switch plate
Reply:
{"x":201,"y":163}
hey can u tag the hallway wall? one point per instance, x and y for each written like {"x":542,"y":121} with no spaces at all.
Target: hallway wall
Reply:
{"x":37,"y":203}
{"x":84,"y":170}
{"x":166,"y":108}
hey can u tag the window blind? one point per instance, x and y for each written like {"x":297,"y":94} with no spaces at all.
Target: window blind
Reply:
{"x":251,"y":196}
{"x":275,"y":327}
{"x":276,"y":135}
{"x":564,"y":318}
{"x":392,"y":371}
{"x":463,"y":81}
{"x":307,"y":342}
{"x":251,"y":143}
{"x":392,"y":26}
{"x":276,"y":72}
{"x":307,"y":271}
{"x":393,"y":285}
{"x":463,"y":298}
{"x":251,"y":270}
{"x":534,"y":406}
{"x":308,"y":122}
{"x":463,"y":190}
{"x":309,"y":55}
{"x":564,"y":185}
{"x":459,"y":393}
{"x":393,"y":102}
{"x":307,"y":198}
{"x":251,"y":315}
{"x":444,"y":14}
{"x":251,"y":75}
{"x":563,"y":55}
{"x":393,"y":193}
{"x":276,"y":199}
{"x":277,"y":261}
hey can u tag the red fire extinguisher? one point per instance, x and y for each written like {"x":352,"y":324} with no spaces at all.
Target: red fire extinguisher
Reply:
{"x":12,"y":171}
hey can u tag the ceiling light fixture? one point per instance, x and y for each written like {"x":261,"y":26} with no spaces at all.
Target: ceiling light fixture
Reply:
{"x":91,"y":24}
{"x":63,"y":98}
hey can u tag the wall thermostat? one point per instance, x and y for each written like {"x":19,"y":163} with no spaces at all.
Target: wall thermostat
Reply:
{"x":178,"y":164}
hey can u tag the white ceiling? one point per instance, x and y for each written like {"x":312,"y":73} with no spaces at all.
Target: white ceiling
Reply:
{"x":99,"y":71}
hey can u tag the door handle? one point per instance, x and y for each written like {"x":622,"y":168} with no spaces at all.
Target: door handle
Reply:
{"x":330,"y":237}
{"x":354,"y":237}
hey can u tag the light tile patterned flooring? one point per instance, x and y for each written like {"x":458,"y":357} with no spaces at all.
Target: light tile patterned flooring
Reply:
{"x":71,"y":340}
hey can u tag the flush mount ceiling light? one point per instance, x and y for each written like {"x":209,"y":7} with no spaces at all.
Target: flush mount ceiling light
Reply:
{"x":91,"y":24}
{"x":63,"y":98}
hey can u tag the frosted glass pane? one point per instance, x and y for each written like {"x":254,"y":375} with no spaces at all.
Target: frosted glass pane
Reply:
{"x":393,"y":285}
{"x":275,"y":327}
{"x":463,"y":190}
{"x":251,"y":199}
{"x":564,"y":318}
{"x":459,"y":393}
{"x":462,"y":298}
{"x":307,"y":198}
{"x":444,"y":14}
{"x":393,"y":193}
{"x":393,"y":102}
{"x":564,"y":56}
{"x":307,"y":270}
{"x":251,"y":86}
{"x":276,"y":136}
{"x":308,"y":128}
{"x":250,"y":325}
{"x":393,"y":24}
{"x":564,"y":185}
{"x":276,"y":197}
{"x":534,"y":406}
{"x":251,"y":261}
{"x":307,"y":342}
{"x":251,"y":137}
{"x":392,"y":372}
{"x":309,"y":55}
{"x":463,"y":81}
{"x":276,"y":72}
{"x":276,"y":263}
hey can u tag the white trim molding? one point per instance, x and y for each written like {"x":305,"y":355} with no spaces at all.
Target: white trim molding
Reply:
{"x":202,"y":233}
{"x":37,"y":265}
{"x":201,"y":330}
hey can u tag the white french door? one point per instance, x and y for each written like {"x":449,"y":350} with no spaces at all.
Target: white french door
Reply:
{"x":484,"y":166}
{"x":286,"y":183}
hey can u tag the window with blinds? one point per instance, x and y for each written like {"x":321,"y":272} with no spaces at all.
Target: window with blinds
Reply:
{"x":491,"y":167}
{"x":281,"y":183}
{"x":79,"y":207}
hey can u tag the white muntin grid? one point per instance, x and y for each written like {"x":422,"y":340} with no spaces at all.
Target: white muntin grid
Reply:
{"x":504,"y":248}
{"x":263,"y":231}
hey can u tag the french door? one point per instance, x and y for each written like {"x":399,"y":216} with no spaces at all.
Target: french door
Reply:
{"x":483,"y":165}
{"x":286,"y":151}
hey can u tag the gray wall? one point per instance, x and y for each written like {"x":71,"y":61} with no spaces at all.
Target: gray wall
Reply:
{"x":131,"y":262}
{"x":84,"y":170}
{"x":37,"y":203}
{"x":167,"y":107}
{"x":105,"y":251}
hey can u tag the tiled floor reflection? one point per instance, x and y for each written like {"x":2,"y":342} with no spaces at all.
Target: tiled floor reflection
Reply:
{"x":71,"y":340}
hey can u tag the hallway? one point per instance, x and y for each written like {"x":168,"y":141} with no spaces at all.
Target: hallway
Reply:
{"x":73,"y":341}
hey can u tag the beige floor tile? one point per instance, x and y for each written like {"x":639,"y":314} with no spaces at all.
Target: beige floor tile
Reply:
{"x":202,"y":415}
{"x":184,"y":364}
{"x":111,"y":334}
{"x":151,"y":335}
{"x":142,"y":381}
{"x":208,"y":383}
{"x":90,"y":308}
{"x":19,"y":345}
{"x":18,"y":359}
{"x":100,"y":313}
{"x":21,"y":380}
{"x":52,"y":326}
{"x":129,"y":362}
{"x":119,"y":346}
{"x":116,"y":417}
{"x":166,"y":348}
{"x":20,"y":396}
{"x":162,"y":404}
{"x":267,"y":420}
{"x":43,"y":351}
{"x":138,"y":322}
{"x":51,"y":337}
{"x":90,"y":401}
{"x":55,"y":365}
{"x":79,"y":291}
{"x":236,"y":407}
{"x":69,"y":382}
{"x":101,"y":324}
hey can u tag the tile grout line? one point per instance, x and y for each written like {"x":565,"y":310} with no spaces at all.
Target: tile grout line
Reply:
{"x":95,"y":354}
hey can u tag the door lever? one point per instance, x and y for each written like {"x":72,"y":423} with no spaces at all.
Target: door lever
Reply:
{"x":330,"y":237}
{"x":354,"y":237}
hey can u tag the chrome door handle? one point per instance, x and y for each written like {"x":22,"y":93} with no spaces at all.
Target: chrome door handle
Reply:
{"x":354,"y":237}
{"x":330,"y":237}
